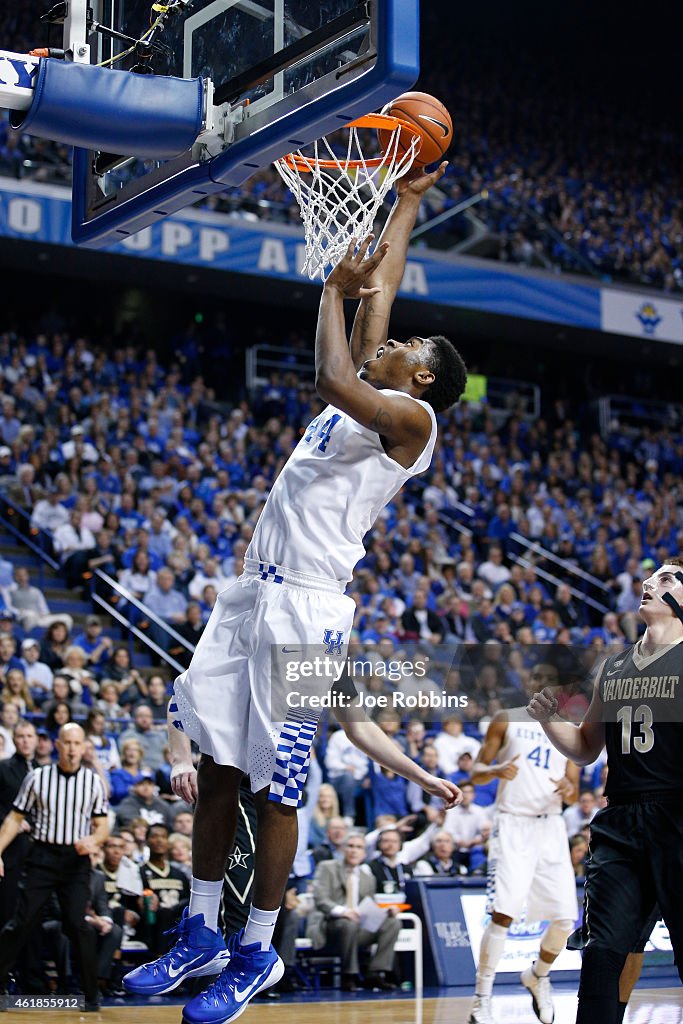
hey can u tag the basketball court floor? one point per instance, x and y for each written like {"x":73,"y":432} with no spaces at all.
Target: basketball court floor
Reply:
{"x":648,"y":1006}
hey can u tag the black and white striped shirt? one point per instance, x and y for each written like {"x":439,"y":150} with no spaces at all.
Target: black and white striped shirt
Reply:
{"x":61,"y":803}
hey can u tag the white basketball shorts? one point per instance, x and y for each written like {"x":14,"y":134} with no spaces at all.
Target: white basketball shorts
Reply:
{"x":228,"y":701}
{"x":529,"y":866}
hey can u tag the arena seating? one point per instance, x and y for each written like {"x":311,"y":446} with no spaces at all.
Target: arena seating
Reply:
{"x":566,"y":178}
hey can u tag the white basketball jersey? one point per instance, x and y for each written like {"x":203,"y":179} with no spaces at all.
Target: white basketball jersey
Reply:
{"x":334,"y":485}
{"x":531,"y":791}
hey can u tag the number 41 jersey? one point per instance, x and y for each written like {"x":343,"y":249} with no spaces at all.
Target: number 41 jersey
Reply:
{"x":532,"y":791}
{"x":643,"y":714}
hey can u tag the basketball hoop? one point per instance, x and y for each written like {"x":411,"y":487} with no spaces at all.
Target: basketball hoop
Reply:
{"x":340,"y":199}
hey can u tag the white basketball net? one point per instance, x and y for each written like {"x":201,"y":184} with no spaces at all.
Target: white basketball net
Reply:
{"x":340,"y":202}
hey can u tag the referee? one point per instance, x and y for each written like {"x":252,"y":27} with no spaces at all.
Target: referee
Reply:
{"x":62,"y":799}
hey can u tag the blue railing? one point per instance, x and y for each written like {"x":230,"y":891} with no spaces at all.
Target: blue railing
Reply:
{"x":17,"y":521}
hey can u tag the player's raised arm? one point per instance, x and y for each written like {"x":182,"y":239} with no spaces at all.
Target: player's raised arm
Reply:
{"x":403,"y":423}
{"x":371,"y":325}
{"x":367,"y":736}
{"x":579,"y":743}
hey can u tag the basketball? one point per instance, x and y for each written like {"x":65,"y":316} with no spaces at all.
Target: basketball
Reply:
{"x":429,"y":117}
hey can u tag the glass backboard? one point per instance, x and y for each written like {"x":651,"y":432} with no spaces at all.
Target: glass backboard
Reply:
{"x":283,"y":73}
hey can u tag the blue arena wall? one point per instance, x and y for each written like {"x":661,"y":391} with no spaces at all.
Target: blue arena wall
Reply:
{"x":453,"y":913}
{"x":41,"y":213}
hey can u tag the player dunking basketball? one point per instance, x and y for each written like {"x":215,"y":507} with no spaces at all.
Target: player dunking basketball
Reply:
{"x":636,"y":856}
{"x":378,"y":430}
{"x":529,"y":864}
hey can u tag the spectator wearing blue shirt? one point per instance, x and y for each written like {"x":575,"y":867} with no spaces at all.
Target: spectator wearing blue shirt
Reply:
{"x":546,"y":625}
{"x":129,"y":517}
{"x":484,"y":622}
{"x":216,"y":541}
{"x":610,"y":632}
{"x":464,"y":769}
{"x":160,"y":539}
{"x":166,"y":602}
{"x":96,"y":645}
{"x":419,"y":801}
{"x":402,"y":536}
{"x":8,"y":658}
{"x":209,"y":595}
{"x":570,"y":613}
{"x":378,"y":629}
{"x":121,"y":779}
{"x":9,"y":424}
{"x":141,"y":544}
{"x":501,"y":526}
{"x":406,"y":580}
{"x":388,"y":792}
{"x":485,"y":794}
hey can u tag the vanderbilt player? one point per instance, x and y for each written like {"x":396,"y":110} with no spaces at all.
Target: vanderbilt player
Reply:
{"x":637,"y":840}
{"x":529,"y":863}
{"x":168,"y":885}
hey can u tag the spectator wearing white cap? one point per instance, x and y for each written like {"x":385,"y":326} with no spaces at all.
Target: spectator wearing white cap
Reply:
{"x":6,"y":461}
{"x":39,"y":676}
{"x":77,"y":446}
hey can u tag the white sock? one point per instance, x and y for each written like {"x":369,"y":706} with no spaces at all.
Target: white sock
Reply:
{"x":205,"y":898}
{"x":490,"y":952}
{"x":260,"y":927}
{"x":540,"y":968}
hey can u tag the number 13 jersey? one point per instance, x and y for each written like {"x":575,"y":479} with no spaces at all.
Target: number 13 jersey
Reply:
{"x":642,"y":705}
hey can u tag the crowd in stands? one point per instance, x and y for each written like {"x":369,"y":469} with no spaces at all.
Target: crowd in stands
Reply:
{"x":141,"y":878}
{"x":126,"y":465}
{"x":574,"y":181}
{"x":123,"y":463}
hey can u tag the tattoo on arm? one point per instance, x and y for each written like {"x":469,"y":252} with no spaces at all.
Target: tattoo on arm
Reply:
{"x":364,"y":314}
{"x":381,"y":421}
{"x":369,"y":310}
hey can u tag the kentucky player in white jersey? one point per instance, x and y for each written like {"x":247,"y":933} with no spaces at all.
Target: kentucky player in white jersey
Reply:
{"x":529,"y":863}
{"x":377,"y":431}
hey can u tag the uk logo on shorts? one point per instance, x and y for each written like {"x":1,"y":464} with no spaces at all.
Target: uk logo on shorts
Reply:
{"x":334,"y":644}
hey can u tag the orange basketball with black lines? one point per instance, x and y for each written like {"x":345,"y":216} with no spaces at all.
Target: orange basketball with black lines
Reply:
{"x":429,"y":117}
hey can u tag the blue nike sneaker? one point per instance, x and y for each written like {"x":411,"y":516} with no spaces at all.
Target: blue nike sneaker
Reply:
{"x":197,"y":951}
{"x":249,"y":972}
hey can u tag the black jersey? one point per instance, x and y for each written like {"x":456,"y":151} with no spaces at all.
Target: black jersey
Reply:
{"x":643,"y":715}
{"x":168,"y":883}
